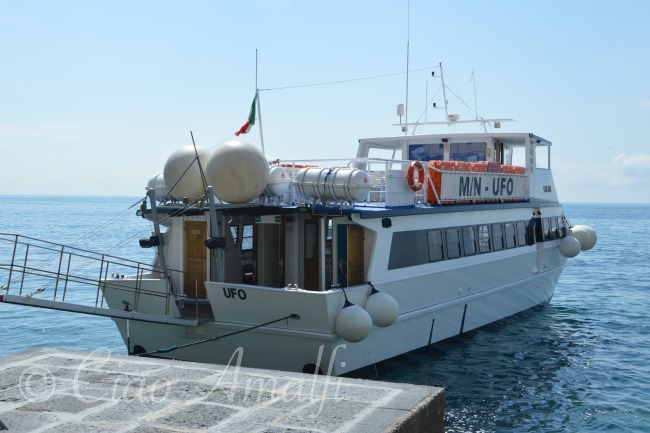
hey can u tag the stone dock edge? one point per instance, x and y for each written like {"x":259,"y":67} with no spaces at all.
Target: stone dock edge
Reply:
{"x":56,"y":390}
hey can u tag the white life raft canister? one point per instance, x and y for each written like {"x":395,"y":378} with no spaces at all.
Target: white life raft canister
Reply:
{"x":340,"y":184}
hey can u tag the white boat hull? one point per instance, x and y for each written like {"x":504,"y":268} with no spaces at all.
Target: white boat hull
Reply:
{"x":432,"y":308}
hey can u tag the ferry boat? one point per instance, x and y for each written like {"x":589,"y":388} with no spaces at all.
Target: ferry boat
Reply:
{"x":320,"y":266}
{"x":302,"y":266}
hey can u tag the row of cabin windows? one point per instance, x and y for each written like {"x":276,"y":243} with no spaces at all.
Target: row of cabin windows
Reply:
{"x":554,"y":227}
{"x":418,"y":247}
{"x":471,"y":152}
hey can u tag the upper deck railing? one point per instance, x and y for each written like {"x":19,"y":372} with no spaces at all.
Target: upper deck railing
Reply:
{"x":402,"y":182}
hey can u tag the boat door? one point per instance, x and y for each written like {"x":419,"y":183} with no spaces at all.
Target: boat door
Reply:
{"x":195,"y":258}
{"x":269,"y":251}
{"x":350,"y":256}
{"x":355,"y":255}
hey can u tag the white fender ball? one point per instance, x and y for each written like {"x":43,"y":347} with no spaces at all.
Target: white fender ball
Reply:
{"x":593,"y":238}
{"x":353,"y":323}
{"x":182,"y":174}
{"x":383,"y":309}
{"x":586,"y":235}
{"x":570,"y":246}
{"x":237,"y":171}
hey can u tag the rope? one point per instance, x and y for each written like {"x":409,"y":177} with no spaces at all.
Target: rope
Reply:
{"x":327,"y":83}
{"x":90,"y":261}
{"x":84,"y":237}
{"x":425,"y":110}
{"x":172,"y":348}
{"x":106,"y":223}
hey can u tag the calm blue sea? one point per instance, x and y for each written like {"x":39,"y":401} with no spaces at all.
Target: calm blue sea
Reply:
{"x":579,"y":364}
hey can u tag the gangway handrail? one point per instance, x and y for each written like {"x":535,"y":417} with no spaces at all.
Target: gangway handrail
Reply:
{"x":69,"y":247}
{"x":45,"y":264}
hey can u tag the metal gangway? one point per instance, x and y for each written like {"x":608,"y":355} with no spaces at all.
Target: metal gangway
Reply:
{"x":43,"y":274}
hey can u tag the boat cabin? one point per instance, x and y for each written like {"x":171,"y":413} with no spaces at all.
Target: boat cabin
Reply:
{"x":506,"y":148}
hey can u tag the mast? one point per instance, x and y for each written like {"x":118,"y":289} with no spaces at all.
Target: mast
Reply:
{"x":453,"y":118}
{"x":444,"y":92}
{"x":408,"y":41}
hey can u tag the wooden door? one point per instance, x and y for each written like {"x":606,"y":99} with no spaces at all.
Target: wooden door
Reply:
{"x":355,"y":256}
{"x":195,"y":259}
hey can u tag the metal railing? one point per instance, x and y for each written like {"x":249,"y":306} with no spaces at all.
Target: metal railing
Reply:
{"x":376,"y":168}
{"x":44,"y":274}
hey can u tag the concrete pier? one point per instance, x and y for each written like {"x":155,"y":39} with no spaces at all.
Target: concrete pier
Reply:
{"x":52,"y":390}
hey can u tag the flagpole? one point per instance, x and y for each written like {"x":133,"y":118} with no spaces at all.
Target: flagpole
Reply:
{"x":259,"y":110}
{"x":259,"y":107}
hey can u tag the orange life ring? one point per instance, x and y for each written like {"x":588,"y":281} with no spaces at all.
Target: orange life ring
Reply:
{"x":410,"y":176}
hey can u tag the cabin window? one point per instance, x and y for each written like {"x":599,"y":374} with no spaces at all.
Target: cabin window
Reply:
{"x":521,"y":234}
{"x":469,"y":240}
{"x":564,"y":226}
{"x":408,"y":249}
{"x":383,"y":153}
{"x":518,"y":156}
{"x":484,"y":238}
{"x":426,"y":152}
{"x":234,"y":230}
{"x":511,"y":238}
{"x":434,"y":239}
{"x":546,"y":228}
{"x":554,"y":228}
{"x":453,"y":243}
{"x":497,"y":237}
{"x":543,"y":157}
{"x":470,"y":152}
{"x":247,"y":238}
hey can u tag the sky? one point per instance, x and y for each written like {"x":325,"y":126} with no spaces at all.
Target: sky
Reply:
{"x":95,"y":96}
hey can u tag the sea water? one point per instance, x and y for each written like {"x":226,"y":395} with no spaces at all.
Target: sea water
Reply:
{"x":578,"y":364}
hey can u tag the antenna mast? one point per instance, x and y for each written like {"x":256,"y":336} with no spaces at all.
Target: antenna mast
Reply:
{"x":408,"y":40}
{"x":475,"y":106}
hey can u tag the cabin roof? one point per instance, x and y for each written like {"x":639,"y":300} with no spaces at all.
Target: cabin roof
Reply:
{"x":509,"y":139}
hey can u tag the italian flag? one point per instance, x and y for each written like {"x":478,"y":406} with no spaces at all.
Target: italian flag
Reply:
{"x":251,"y":120}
